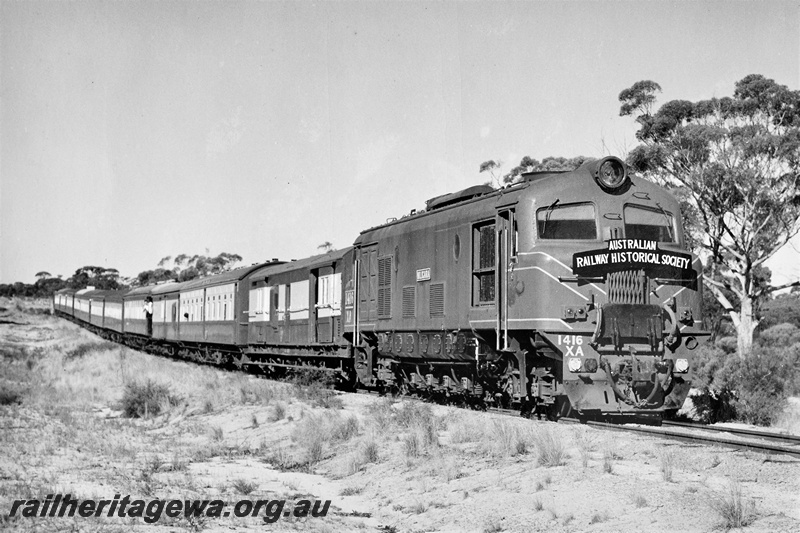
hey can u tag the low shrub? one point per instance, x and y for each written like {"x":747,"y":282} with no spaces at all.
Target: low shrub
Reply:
{"x":753,"y":389}
{"x":370,"y":452}
{"x":141,"y":400}
{"x":9,"y":396}
{"x":732,"y":508}
{"x":244,"y":487}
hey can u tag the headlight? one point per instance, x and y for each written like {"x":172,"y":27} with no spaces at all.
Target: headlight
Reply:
{"x":681,"y":365}
{"x":574,"y":364}
{"x":610,"y":173}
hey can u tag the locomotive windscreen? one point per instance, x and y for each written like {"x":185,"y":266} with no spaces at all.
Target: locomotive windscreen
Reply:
{"x":648,"y":224}
{"x":573,"y":221}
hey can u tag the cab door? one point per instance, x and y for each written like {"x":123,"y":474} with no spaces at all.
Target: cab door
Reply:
{"x":505,"y":249}
{"x":368,"y":285}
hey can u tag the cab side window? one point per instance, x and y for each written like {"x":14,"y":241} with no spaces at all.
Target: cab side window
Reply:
{"x":483,"y":263}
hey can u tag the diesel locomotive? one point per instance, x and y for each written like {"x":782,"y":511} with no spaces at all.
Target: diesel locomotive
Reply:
{"x":566,"y":292}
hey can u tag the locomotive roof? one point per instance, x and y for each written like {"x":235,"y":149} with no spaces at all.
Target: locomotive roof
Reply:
{"x":549,"y":182}
{"x":308,"y":262}
{"x":470,"y":197}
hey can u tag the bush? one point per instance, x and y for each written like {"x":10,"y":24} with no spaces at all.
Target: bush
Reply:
{"x":782,"y":335}
{"x":141,"y":400}
{"x":753,"y":389}
{"x":9,"y":396}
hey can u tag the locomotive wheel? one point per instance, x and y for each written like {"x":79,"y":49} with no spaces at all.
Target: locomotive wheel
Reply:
{"x":559,"y":409}
{"x":528,"y":407}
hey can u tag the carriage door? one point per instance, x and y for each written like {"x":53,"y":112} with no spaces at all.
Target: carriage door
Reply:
{"x":324,"y":303}
{"x":173,"y":304}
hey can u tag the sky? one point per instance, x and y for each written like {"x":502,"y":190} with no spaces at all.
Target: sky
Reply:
{"x":131,"y":131}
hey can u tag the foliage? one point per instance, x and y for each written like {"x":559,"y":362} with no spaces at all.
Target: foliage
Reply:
{"x":753,"y":389}
{"x":106,"y":279}
{"x":492,"y":167}
{"x":151,"y":277}
{"x":9,"y":396}
{"x":44,"y":287}
{"x":315,"y":385}
{"x":783,"y":309}
{"x":141,"y":400}
{"x":186,"y":267}
{"x":548,"y":164}
{"x":735,"y":165}
{"x":88,"y":276}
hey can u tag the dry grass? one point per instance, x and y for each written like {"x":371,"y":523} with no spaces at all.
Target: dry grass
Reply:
{"x":370,"y":452}
{"x":584,"y":440}
{"x":608,"y":465}
{"x":667,"y":459}
{"x":639,"y":501}
{"x":550,"y":448}
{"x":732,"y":508}
{"x":278,"y":412}
{"x":244,"y":487}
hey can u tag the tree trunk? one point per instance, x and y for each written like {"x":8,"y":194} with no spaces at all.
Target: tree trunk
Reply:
{"x":745,"y":328}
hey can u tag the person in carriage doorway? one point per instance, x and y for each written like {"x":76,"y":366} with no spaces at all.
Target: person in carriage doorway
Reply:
{"x":148,"y":314}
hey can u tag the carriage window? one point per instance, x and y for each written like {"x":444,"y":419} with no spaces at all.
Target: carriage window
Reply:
{"x":648,"y":224}
{"x":569,"y":222}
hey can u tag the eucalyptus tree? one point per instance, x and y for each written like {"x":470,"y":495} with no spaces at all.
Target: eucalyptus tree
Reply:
{"x":735,"y":164}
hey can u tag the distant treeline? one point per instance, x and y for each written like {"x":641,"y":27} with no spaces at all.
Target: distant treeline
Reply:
{"x":182,"y":267}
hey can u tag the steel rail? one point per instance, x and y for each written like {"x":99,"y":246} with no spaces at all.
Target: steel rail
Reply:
{"x":692,"y":435}
{"x":778,"y":437}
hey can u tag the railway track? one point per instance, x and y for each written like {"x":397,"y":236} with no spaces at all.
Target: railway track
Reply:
{"x":740,"y":439}
{"x":736,"y":438}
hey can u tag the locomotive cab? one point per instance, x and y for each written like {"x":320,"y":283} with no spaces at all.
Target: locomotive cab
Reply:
{"x":617,"y":297}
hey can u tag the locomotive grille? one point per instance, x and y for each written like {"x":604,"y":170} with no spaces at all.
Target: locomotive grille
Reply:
{"x":627,"y":287}
{"x":409,"y":302}
{"x":437,"y":299}
{"x":385,"y":287}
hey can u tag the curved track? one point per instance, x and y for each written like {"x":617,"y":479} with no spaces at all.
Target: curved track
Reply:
{"x":737,"y":438}
{"x":742,"y":439}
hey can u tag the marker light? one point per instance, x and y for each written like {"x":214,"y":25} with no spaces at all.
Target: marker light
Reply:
{"x":610,"y":173}
{"x":574,"y":364}
{"x":681,"y":365}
